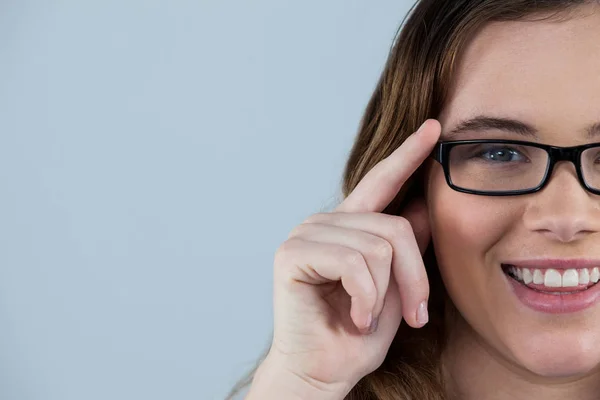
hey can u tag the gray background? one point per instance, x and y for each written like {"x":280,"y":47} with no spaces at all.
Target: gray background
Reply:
{"x":153,"y":156}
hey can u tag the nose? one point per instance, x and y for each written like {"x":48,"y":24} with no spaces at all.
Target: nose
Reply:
{"x":563,"y":211}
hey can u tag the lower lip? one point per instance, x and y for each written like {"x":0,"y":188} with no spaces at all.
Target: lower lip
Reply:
{"x":554,"y":303}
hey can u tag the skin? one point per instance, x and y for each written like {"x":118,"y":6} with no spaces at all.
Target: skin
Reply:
{"x":546,"y":74}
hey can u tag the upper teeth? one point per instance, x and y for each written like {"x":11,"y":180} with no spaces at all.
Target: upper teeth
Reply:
{"x":553,"y":278}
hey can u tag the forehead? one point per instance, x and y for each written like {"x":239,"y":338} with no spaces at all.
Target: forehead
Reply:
{"x":545,"y":73}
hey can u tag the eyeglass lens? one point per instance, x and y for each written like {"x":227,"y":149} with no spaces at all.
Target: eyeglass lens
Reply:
{"x":497,"y":167}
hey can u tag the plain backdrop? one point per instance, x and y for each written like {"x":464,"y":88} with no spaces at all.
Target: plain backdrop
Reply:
{"x":154,"y":154}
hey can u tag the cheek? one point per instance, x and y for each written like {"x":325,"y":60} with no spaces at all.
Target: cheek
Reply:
{"x":466,"y":229}
{"x":465,"y":224}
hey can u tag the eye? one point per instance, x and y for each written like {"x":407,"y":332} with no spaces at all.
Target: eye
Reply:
{"x":597,"y":157}
{"x":501,"y":154}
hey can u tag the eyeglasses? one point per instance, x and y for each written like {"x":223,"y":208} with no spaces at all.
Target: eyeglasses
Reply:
{"x":492,"y":167}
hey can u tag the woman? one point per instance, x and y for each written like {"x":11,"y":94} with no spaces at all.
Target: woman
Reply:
{"x":487,"y":250}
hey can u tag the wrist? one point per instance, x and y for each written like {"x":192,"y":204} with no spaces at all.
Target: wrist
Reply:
{"x":274,"y":380}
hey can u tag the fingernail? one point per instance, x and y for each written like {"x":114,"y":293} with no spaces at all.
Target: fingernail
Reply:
{"x":422,"y":315}
{"x":369,"y":321}
{"x":421,"y":127}
{"x":373,"y":326}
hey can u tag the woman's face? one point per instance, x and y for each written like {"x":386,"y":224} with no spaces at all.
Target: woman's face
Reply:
{"x":547,"y":75}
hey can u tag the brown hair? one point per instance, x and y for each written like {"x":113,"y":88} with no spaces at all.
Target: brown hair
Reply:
{"x":413,"y":87}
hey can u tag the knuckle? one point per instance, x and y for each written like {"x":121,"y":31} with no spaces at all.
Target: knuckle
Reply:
{"x":352,"y":258}
{"x":401,"y":230}
{"x":297,"y":231}
{"x":316,"y":218}
{"x":403,"y":225}
{"x":284,"y":250}
{"x":393,"y":231}
{"x":381,"y":249}
{"x":355,"y":264}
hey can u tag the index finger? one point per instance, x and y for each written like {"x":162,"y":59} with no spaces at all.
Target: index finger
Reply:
{"x":383,"y":182}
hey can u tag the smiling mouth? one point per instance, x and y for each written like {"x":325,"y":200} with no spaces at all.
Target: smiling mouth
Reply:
{"x":554,"y":281}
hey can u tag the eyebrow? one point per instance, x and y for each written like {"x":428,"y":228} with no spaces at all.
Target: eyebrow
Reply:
{"x":485,"y":123}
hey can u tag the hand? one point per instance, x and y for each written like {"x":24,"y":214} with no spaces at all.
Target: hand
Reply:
{"x":344,"y":280}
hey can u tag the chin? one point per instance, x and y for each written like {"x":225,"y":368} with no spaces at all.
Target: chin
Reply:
{"x":559,"y":355}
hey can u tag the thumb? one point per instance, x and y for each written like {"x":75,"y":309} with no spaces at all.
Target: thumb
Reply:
{"x":417,"y":214}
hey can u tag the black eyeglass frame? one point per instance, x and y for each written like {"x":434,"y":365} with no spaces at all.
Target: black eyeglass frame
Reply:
{"x":442,"y":149}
